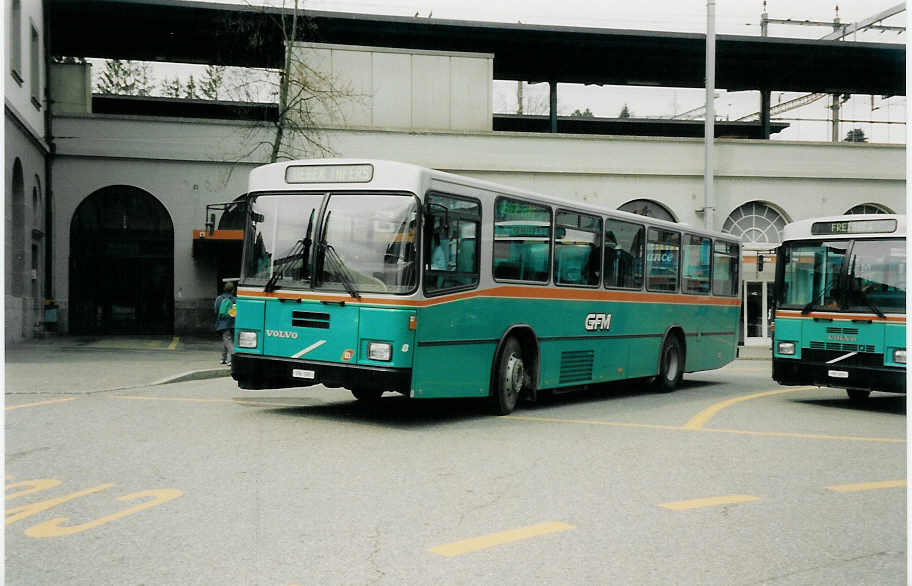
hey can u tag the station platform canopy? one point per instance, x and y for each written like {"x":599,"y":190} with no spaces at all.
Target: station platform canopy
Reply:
{"x":241,"y":35}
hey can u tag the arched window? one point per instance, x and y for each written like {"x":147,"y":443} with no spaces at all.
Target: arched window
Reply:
{"x":18,"y":225}
{"x":647,"y":207}
{"x":869,"y":208}
{"x":755,"y":222}
{"x":36,"y":207}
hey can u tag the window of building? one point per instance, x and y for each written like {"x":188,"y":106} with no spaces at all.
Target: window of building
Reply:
{"x":35,"y":67}
{"x":755,"y":222}
{"x":522,"y":241}
{"x":15,"y":46}
{"x":577,"y":249}
{"x":726,"y":261}
{"x":696,"y":265}
{"x":869,"y":208}
{"x":451,"y":243}
{"x":647,"y":207}
{"x":663,"y":249}
{"x":624,"y":254}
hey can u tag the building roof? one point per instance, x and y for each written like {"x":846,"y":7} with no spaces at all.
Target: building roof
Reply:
{"x":199,"y":32}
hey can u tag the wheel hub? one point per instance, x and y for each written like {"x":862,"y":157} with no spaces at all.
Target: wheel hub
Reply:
{"x":514,"y":374}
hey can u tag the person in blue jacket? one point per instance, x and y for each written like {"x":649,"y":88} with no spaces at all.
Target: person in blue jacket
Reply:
{"x":224,"y":320}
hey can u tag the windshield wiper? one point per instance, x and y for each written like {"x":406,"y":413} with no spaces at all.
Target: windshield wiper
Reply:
{"x":807,"y":308}
{"x":871,"y":304}
{"x":344,"y":275}
{"x":301,"y":247}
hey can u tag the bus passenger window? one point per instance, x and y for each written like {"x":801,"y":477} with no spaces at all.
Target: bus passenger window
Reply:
{"x":623,"y":254}
{"x":663,"y":249}
{"x":577,"y":249}
{"x":522,"y":241}
{"x":726,"y":260}
{"x":451,"y":243}
{"x":696,"y":266}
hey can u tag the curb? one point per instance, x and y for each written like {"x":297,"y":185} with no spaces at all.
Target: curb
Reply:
{"x":194,"y":375}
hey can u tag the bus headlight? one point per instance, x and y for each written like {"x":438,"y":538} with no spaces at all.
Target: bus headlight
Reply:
{"x":380,"y":351}
{"x":786,"y":348}
{"x":899,"y":356}
{"x":247,"y":339}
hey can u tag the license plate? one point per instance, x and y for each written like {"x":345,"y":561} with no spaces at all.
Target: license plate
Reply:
{"x":300,"y":373}
{"x":838,"y":374}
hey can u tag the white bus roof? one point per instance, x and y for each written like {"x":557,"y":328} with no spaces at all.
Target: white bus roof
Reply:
{"x":804,"y":229}
{"x":397,"y":176}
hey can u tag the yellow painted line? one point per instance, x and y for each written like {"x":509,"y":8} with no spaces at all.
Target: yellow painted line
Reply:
{"x":174,"y":341}
{"x":592,"y":422}
{"x":192,"y":400}
{"x":700,"y":419}
{"x":867,"y":486}
{"x":710,"y":430}
{"x":40,"y":403}
{"x":714,"y":501}
{"x":494,"y":539}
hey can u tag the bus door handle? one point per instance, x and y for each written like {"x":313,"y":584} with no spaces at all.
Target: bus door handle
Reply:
{"x":339,"y":303}
{"x":284,"y":299}
{"x":861,"y":321}
{"x":823,"y":319}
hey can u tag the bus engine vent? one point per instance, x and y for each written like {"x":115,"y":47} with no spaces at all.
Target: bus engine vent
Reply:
{"x":837,"y":347}
{"x":310,"y":319}
{"x":576,"y":366}
{"x":849,"y":331}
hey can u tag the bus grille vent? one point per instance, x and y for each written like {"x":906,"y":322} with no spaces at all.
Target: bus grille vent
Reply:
{"x":310,"y":319}
{"x":849,"y":331}
{"x":576,"y":366}
{"x":837,"y":347}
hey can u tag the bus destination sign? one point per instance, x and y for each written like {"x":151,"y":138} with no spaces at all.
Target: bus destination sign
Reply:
{"x":853,"y":227}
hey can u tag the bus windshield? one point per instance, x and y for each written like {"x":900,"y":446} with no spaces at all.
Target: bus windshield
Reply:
{"x":367,"y":245}
{"x":853,"y":276}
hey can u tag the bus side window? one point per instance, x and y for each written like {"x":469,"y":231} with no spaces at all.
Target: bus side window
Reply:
{"x":522,"y":240}
{"x":726,"y":260}
{"x":623,"y":254}
{"x":577,"y":249}
{"x":451,"y":243}
{"x":663,"y":251}
{"x":695,"y":270}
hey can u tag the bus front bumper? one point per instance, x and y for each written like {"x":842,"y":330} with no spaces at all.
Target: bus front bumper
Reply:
{"x":793,"y":372}
{"x":254,"y":372}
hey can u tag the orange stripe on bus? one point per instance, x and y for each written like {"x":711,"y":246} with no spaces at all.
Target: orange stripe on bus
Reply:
{"x":509,"y":292}
{"x":840,"y":316}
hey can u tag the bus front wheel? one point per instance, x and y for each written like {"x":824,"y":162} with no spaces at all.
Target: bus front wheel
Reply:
{"x":508,"y":378}
{"x":671,"y":366}
{"x":857,"y":395}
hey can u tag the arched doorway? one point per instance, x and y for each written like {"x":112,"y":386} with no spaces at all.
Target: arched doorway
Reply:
{"x":121,"y":264}
{"x":648,"y":207}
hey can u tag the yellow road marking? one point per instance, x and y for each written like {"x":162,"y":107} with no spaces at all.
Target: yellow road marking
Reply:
{"x":867,"y":486}
{"x":714,"y":501}
{"x":712,"y":430}
{"x":486,"y":541}
{"x":40,"y":403}
{"x":191,"y":400}
{"x":174,"y":342}
{"x":700,"y":419}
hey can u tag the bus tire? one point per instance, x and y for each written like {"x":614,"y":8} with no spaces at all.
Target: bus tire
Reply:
{"x":858,"y":395}
{"x":671,"y":366}
{"x":367,"y":395}
{"x":508,"y":378}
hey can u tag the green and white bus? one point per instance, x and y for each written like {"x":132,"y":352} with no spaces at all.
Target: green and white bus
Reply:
{"x":840,"y":299}
{"x":381,"y":276}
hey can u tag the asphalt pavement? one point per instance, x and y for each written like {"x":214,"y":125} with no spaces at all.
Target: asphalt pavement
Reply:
{"x":82,"y":365}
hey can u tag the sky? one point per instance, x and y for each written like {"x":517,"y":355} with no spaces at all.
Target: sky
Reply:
{"x":738,"y":17}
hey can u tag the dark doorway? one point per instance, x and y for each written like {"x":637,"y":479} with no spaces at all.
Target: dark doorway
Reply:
{"x":121,"y":264}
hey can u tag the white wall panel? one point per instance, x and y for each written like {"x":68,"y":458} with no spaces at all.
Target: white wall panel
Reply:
{"x":431,"y":92}
{"x":392,"y":90}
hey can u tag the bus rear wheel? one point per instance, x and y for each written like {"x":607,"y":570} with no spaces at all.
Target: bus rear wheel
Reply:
{"x":367,"y":395}
{"x":857,"y":395}
{"x":671,"y":366}
{"x":508,"y":378}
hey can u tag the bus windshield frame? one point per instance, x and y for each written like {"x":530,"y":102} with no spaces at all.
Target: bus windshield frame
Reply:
{"x":843,"y":275}
{"x":338,"y":244}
